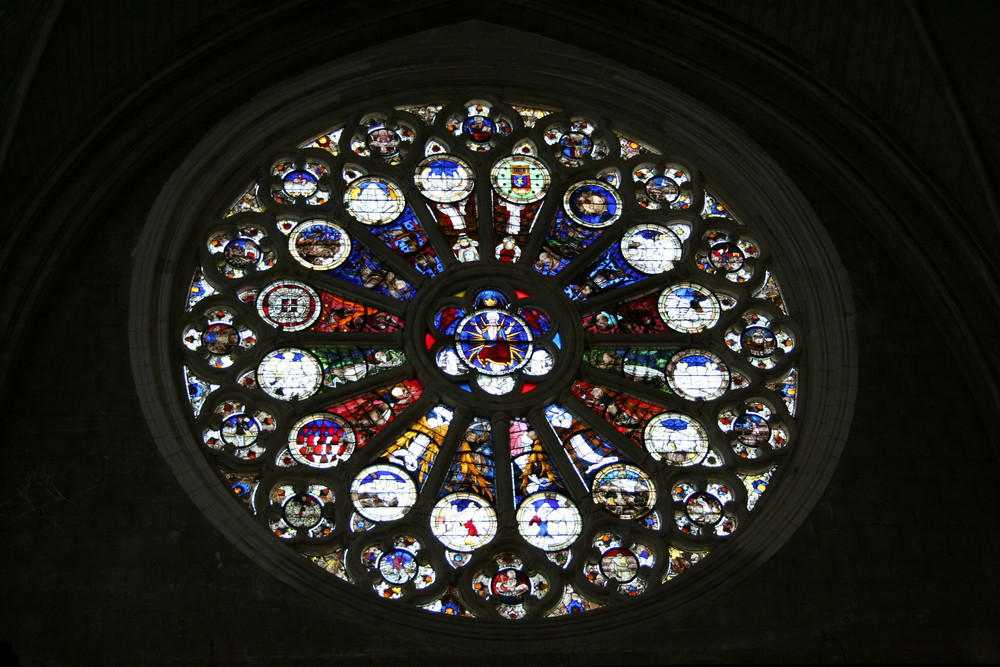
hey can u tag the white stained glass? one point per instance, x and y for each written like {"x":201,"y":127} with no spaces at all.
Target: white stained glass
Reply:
{"x":374,"y":201}
{"x":463,"y":522}
{"x":689,"y":308}
{"x":383,"y":493}
{"x":549,"y":521}
{"x":697,"y":375}
{"x":449,"y":362}
{"x":624,"y":490}
{"x":498,"y":385}
{"x":651,"y":249}
{"x":539,"y":363}
{"x":444,"y":178}
{"x":289,"y":374}
{"x":676,"y":438}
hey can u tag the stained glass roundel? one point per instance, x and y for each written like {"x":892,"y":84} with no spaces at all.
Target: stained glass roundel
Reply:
{"x":489,"y":360}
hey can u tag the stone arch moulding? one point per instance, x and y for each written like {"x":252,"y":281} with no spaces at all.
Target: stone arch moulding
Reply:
{"x":410,"y":71}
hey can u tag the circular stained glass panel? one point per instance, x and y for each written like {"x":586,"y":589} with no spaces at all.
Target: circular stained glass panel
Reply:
{"x":373,"y":200}
{"x":383,"y":493}
{"x":651,"y":248}
{"x":499,"y":405}
{"x":493,"y":342}
{"x":549,"y":521}
{"x":676,"y":438}
{"x":463,"y":521}
{"x":397,"y":566}
{"x":697,"y":375}
{"x":288,"y":305}
{"x":593,"y":203}
{"x":689,"y":308}
{"x":321,"y":440}
{"x":444,"y":178}
{"x":317,"y":244}
{"x":289,"y":374}
{"x":521,"y":179}
{"x":624,"y":490}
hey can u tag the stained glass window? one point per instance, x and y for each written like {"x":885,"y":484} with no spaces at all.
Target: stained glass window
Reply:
{"x":489,"y":358}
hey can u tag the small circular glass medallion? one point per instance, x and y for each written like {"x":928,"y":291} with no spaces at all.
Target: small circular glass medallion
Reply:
{"x":221,"y":338}
{"x":676,"y":439}
{"x":510,"y":585}
{"x":726,"y":257}
{"x":383,"y":493}
{"x":752,"y":430}
{"x":521,"y":179}
{"x":321,"y":440}
{"x":289,"y":374}
{"x":288,"y":305}
{"x":317,"y":244}
{"x":689,"y":308}
{"x":697,"y":375}
{"x":299,"y":184}
{"x":463,"y":522}
{"x":619,"y":565}
{"x":758,"y":341}
{"x":240,"y":431}
{"x":479,"y":128}
{"x":242,"y":253}
{"x":397,"y":566}
{"x":444,"y":178}
{"x":662,"y":190}
{"x":624,"y":490}
{"x":651,"y":249}
{"x":383,"y":142}
{"x":374,"y":200}
{"x":302,"y":511}
{"x":703,"y":509}
{"x":549,"y":521}
{"x":592,"y":203}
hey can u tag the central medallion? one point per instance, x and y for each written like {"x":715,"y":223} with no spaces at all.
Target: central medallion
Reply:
{"x":502,"y":334}
{"x":493,"y":341}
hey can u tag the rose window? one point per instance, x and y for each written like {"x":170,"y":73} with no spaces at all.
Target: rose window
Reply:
{"x":488,"y":359}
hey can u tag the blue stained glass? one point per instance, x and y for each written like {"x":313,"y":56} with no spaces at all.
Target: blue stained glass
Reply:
{"x":565,"y":241}
{"x":407,"y":237}
{"x":365,"y":270}
{"x":479,"y":128}
{"x":608,"y":272}
{"x":491,"y":298}
{"x":594,"y":204}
